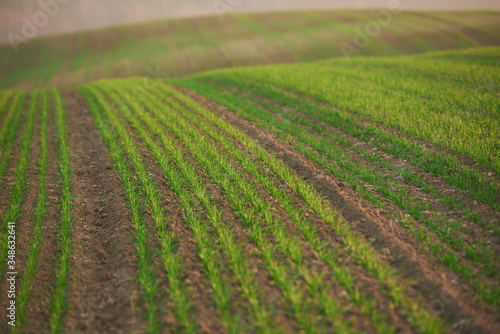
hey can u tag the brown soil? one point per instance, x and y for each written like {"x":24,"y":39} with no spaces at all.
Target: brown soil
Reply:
{"x":448,"y":295}
{"x":102,"y":280}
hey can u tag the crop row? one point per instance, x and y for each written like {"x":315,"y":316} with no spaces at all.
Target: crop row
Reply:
{"x":18,"y":189}
{"x":146,"y":272}
{"x":32,"y":144}
{"x":180,"y":120}
{"x":403,"y":94}
{"x":479,"y":252}
{"x":186,"y":176}
{"x":361,"y":251}
{"x":237,"y":258}
{"x":341,"y":114}
{"x":32,"y":263}
{"x":321,"y":150}
{"x":443,"y":165}
{"x":58,"y":301}
{"x":9,"y":130}
{"x":246,"y":213}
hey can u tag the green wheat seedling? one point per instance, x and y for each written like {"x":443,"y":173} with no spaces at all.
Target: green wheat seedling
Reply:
{"x":170,"y":259}
{"x":212,"y":267}
{"x":306,"y":117}
{"x":359,"y":248}
{"x":190,"y":174}
{"x":18,"y":189}
{"x":310,"y":145}
{"x":12,"y":113}
{"x":479,"y":253}
{"x":319,"y":150}
{"x":5,"y":98}
{"x":442,"y":165}
{"x":58,"y":302}
{"x":264,"y":212}
{"x":8,"y":135}
{"x":146,"y":272}
{"x":32,"y":264}
{"x":240,"y":265}
{"x":321,"y":248}
{"x":403,"y":94}
{"x":344,"y":278}
{"x":277,"y":271}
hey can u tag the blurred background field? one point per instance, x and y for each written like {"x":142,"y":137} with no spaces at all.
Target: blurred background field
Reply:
{"x":184,"y":46}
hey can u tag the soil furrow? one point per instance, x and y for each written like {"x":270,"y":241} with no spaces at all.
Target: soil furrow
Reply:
{"x":102,"y":289}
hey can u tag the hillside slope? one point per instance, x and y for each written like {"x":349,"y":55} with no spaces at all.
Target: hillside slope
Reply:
{"x":180,"y":47}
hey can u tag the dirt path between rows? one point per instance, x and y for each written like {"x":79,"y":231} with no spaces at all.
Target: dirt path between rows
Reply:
{"x":101,"y":295}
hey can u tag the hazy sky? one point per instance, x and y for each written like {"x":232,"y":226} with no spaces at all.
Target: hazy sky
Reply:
{"x":89,"y":14}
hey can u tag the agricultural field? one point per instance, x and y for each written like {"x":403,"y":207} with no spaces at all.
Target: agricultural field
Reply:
{"x":356,"y":195}
{"x":180,"y":47}
{"x":266,"y":199}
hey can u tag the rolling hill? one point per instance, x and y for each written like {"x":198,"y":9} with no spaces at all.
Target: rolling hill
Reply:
{"x":180,"y":47}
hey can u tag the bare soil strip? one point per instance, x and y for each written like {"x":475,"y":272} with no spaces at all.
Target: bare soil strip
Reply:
{"x":448,"y":295}
{"x":103,"y":286}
